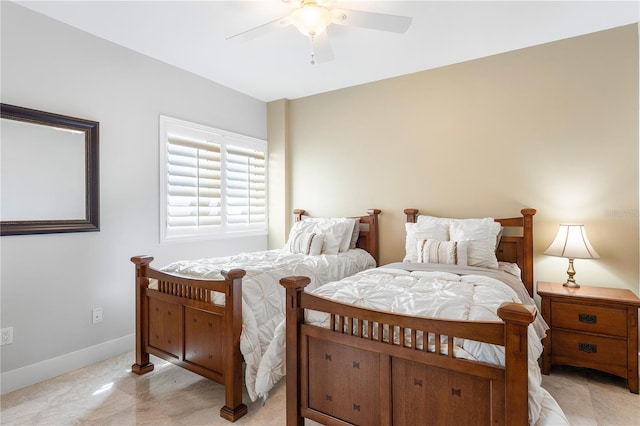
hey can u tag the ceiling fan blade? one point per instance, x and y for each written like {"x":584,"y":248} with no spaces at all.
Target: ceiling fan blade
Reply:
{"x":374,"y":21}
{"x":261,"y":29}
{"x":321,"y":48}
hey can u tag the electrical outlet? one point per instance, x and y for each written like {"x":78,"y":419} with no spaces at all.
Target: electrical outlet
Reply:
{"x":7,"y":336}
{"x":97,"y":315}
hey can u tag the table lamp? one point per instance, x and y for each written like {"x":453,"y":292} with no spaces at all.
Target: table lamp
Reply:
{"x":571,"y":242}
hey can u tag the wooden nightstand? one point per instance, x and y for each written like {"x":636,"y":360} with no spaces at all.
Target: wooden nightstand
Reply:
{"x":592,"y":327}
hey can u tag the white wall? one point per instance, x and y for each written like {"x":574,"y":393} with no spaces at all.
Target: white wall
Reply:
{"x":49,"y":283}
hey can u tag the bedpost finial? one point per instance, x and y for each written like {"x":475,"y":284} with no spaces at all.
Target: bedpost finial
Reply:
{"x":528,"y":212}
{"x":142,"y":260}
{"x":297,"y":282}
{"x":233,"y":274}
{"x":517,"y":313}
{"x":412,"y":215}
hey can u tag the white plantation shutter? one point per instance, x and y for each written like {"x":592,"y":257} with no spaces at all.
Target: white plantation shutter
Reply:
{"x":213,"y":182}
{"x":245,"y":186}
{"x":194,"y":183}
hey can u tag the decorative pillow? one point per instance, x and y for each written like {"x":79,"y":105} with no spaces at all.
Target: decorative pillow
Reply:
{"x":448,"y":252}
{"x":315,"y":248}
{"x":355,"y":235}
{"x":353,"y":224}
{"x":337,"y":232}
{"x":488,"y":221}
{"x":423,"y":231}
{"x":305,"y":243}
{"x":481,"y":235}
{"x":498,"y":238}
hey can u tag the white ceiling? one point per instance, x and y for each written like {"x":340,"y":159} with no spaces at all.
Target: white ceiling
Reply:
{"x":192,"y":35}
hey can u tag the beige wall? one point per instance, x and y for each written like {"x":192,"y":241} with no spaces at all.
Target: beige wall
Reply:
{"x":279,"y":194}
{"x":552,"y":127}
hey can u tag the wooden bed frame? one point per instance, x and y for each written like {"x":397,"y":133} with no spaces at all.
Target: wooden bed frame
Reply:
{"x":342,"y":375}
{"x":177,"y":321}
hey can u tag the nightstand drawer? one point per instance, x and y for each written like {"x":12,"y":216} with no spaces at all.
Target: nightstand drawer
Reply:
{"x":592,"y":319}
{"x":604,"y":353}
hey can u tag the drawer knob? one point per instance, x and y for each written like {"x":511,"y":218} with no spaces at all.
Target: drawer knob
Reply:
{"x":588,"y":348}
{"x":588,"y":318}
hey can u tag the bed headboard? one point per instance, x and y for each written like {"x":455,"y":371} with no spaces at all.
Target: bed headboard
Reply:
{"x":368,"y":239}
{"x":512,"y":248}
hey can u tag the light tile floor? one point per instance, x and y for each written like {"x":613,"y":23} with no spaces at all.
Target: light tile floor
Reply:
{"x":107,"y":393}
{"x":590,"y":397}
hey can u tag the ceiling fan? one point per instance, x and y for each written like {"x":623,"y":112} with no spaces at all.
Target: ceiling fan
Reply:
{"x":312,"y":17}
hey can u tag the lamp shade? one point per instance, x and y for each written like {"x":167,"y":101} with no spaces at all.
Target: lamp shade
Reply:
{"x":572,"y":242}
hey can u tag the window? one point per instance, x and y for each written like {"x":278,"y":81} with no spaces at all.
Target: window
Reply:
{"x":212,"y":182}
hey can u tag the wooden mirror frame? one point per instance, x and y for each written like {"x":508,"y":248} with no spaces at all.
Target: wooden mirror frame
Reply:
{"x":91,"y":221}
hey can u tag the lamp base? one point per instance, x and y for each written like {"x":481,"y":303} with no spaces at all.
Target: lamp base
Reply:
{"x":571,"y":283}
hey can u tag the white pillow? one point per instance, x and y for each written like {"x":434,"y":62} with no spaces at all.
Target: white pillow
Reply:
{"x":448,"y":221}
{"x":356,"y":234}
{"x":447,"y":252}
{"x":499,"y":237}
{"x":353,"y":224}
{"x":432,"y":230}
{"x":337,"y":232}
{"x":481,"y":235}
{"x":424,"y":219}
{"x":305,"y":243}
{"x":301,"y":226}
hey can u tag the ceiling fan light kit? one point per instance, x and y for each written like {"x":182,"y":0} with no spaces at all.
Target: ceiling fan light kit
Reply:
{"x":312,"y":17}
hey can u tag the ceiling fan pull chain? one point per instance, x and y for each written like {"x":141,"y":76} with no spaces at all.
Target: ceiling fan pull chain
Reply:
{"x":313,"y":53}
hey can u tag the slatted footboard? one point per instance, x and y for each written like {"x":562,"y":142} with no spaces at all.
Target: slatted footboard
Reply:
{"x":177,"y":321}
{"x":372,"y":368}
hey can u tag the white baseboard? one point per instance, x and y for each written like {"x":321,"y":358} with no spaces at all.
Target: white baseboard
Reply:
{"x":40,"y":371}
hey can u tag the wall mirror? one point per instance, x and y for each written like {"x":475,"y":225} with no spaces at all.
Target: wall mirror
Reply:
{"x":48,"y":173}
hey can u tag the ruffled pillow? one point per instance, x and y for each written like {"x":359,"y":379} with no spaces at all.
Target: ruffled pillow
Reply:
{"x":337,"y":232}
{"x":481,"y":236}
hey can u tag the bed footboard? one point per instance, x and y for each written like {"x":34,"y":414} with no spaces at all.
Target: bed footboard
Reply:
{"x":177,"y":320}
{"x":373,"y":368}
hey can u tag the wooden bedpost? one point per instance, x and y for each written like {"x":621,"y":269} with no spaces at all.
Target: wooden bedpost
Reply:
{"x":142,"y":364}
{"x":233,"y":407}
{"x":298,"y":213}
{"x":516,"y":318}
{"x":372,"y":239}
{"x":412,"y":215}
{"x":295,"y":317}
{"x":527,"y":234}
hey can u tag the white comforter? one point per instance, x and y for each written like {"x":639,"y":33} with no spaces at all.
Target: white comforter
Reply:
{"x":430,"y":294}
{"x":262,"y":294}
